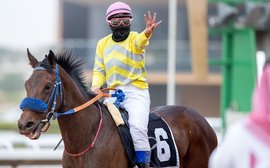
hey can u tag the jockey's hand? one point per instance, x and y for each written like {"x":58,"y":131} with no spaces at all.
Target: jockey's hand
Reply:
{"x":151,"y":23}
{"x":95,"y":89}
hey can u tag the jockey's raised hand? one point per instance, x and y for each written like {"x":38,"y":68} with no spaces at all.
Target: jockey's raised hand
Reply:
{"x":151,"y":23}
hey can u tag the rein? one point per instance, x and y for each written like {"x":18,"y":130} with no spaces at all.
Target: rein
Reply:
{"x":38,"y":105}
{"x":94,"y":140}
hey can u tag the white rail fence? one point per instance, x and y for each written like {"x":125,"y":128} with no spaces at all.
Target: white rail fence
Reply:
{"x":17,"y":150}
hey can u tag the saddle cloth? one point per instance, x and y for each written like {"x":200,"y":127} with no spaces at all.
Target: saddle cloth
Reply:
{"x":164,"y":152}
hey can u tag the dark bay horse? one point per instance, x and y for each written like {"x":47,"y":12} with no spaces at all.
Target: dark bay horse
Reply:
{"x":90,"y":136}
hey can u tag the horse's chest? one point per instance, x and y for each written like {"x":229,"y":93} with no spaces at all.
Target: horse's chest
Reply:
{"x":97,"y":160}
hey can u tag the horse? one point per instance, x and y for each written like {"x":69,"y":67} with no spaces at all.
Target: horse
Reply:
{"x":91,"y":138}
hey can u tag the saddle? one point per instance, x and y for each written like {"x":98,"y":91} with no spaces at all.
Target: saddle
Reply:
{"x":163,"y":148}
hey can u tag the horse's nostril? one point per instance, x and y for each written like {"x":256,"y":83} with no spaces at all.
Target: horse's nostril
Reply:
{"x":20,"y":126}
{"x":29,"y":125}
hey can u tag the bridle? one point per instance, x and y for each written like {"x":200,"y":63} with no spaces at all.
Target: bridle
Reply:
{"x":38,"y":105}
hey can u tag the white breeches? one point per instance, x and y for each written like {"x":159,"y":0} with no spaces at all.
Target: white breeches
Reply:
{"x":137,"y":103}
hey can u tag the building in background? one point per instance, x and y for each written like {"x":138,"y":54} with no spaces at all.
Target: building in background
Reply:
{"x":82,"y":24}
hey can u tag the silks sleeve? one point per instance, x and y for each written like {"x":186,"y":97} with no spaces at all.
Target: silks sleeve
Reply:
{"x":141,"y":41}
{"x":99,"y":67}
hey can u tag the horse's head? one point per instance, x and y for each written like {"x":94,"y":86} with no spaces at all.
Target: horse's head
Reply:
{"x":40,"y":89}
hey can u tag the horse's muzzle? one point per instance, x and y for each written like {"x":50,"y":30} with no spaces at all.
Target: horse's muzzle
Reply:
{"x":30,"y":129}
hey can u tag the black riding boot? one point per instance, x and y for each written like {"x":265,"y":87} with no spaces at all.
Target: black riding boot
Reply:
{"x":143,"y":165}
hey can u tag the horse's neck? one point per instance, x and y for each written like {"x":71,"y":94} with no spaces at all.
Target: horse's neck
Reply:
{"x":75,"y":127}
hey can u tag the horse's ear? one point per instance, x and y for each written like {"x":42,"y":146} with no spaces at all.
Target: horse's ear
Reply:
{"x":51,"y":58}
{"x":32,"y":59}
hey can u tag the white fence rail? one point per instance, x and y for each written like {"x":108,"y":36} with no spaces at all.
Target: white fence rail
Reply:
{"x":18,"y":150}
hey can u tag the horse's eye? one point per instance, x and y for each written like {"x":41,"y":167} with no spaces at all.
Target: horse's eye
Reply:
{"x":48,"y":86}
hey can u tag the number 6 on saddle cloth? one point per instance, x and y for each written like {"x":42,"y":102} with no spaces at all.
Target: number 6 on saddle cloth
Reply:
{"x":163,"y":148}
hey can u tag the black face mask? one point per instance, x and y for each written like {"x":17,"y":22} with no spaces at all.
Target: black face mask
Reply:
{"x":120,"y":33}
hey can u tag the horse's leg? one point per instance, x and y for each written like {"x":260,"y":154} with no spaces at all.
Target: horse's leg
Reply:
{"x":197,"y":155}
{"x":201,"y":142}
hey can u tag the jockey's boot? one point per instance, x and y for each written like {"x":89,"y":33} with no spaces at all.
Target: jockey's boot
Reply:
{"x":142,"y":159}
{"x":143,"y":165}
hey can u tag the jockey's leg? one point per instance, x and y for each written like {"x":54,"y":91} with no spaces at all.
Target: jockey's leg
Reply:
{"x":137,"y":103}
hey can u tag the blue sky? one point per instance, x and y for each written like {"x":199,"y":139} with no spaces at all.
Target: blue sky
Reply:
{"x":28,"y":23}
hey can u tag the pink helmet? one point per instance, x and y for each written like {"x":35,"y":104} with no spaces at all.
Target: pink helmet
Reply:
{"x":118,"y":8}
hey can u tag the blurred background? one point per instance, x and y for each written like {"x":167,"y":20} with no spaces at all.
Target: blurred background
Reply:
{"x":78,"y":25}
{"x":203,"y":55}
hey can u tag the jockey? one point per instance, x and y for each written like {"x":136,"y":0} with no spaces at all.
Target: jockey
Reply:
{"x":120,"y":63}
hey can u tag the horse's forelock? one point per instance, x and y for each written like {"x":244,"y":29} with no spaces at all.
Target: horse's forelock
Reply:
{"x":47,"y":67}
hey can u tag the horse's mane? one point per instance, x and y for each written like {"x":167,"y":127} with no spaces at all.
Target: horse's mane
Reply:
{"x":74,"y":67}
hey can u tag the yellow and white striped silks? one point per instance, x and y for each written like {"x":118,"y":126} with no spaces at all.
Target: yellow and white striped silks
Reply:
{"x":121,"y":63}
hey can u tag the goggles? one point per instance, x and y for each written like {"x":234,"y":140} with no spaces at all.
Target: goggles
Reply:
{"x":115,"y":22}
